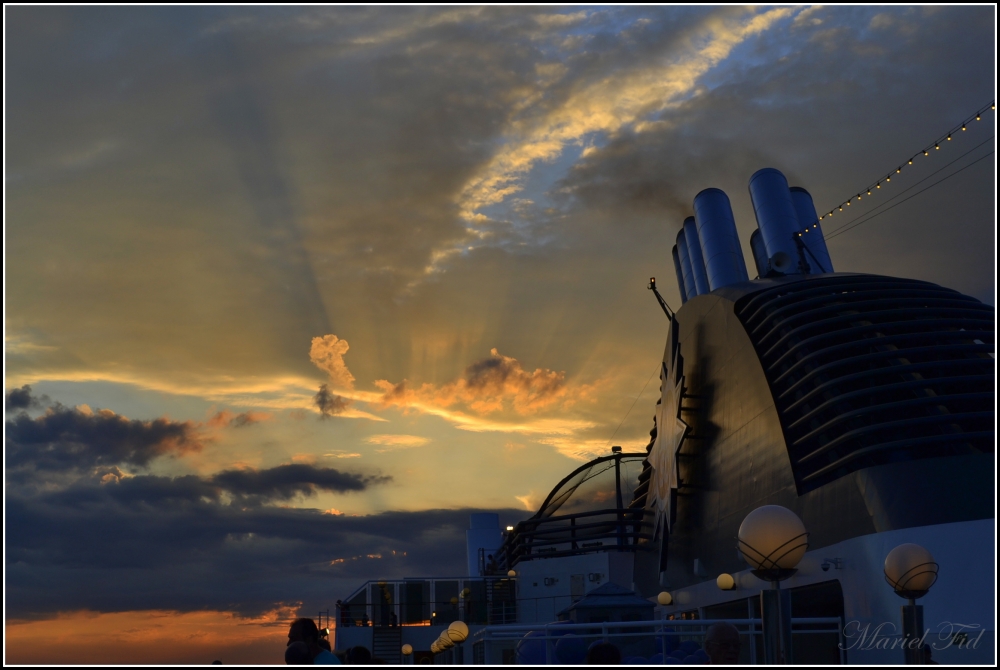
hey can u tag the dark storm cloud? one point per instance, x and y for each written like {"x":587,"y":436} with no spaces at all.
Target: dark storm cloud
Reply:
{"x":328,"y":403}
{"x":287,"y":481}
{"x":23,"y":398}
{"x":115,"y":547}
{"x":67,"y":439}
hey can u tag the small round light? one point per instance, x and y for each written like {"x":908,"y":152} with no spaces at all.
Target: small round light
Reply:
{"x":898,"y":169}
{"x":925,"y":152}
{"x":664,"y":598}
{"x":977,"y":117}
{"x":963,"y":126}
{"x":725,"y":582}
{"x":406,"y":649}
{"x":911,"y":161}
{"x":869,"y":191}
{"x":510,"y":528}
{"x":888,"y":177}
{"x":936,"y":146}
{"x":511,"y":574}
{"x":949,"y":137}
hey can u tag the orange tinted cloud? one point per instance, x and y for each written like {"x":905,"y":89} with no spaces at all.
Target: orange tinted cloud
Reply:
{"x":493,"y":384}
{"x":227,"y":418}
{"x":327,"y":353}
{"x":151,"y":637}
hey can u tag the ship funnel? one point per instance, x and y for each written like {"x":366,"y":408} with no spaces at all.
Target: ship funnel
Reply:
{"x":720,"y":243}
{"x":695,"y":257}
{"x":690,"y":290}
{"x":817,"y":255}
{"x":680,"y":275}
{"x":759,"y":253}
{"x":776,"y":215}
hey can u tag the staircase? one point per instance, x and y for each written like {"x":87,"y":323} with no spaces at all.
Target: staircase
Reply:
{"x":387,"y":642}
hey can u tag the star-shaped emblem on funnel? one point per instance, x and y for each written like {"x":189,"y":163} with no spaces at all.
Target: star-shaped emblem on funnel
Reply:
{"x":670,"y":432}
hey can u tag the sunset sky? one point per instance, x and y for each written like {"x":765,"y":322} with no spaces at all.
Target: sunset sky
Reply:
{"x":288,"y":286}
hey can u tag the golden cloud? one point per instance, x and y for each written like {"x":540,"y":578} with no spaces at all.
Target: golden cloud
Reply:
{"x":398,"y":441}
{"x":494,"y":384}
{"x":327,"y":353}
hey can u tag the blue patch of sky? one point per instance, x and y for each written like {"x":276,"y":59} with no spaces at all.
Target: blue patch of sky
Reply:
{"x":537,"y":185}
{"x":748,"y":54}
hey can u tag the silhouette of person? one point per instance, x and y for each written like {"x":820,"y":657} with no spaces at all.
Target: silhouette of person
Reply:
{"x":359,"y":656}
{"x":722,"y":644}
{"x":297,"y":653}
{"x":304,"y":630}
{"x":603,"y":653}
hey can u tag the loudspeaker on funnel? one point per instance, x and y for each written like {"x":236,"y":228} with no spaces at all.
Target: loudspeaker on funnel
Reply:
{"x":781,"y":262}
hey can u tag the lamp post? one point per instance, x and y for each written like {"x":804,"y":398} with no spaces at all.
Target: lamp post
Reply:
{"x":772,"y":540}
{"x":911,"y":572}
{"x":444,"y":642}
{"x":458,"y":632}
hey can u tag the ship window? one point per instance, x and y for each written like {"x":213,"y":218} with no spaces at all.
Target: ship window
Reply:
{"x":593,"y":488}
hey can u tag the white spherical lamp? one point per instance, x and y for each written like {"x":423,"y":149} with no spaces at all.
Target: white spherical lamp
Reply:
{"x":406,"y":649}
{"x":444,"y":641}
{"x":910,"y":570}
{"x":772,"y":540}
{"x":458,"y":631}
{"x":725,"y":582}
{"x":665,"y":598}
{"x":511,"y":574}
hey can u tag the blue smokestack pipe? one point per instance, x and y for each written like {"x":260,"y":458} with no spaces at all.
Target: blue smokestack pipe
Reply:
{"x":759,"y":253}
{"x":682,"y":252}
{"x":720,"y":243}
{"x":680,"y":275}
{"x":805,"y":210}
{"x":776,"y":215}
{"x":694,"y":256}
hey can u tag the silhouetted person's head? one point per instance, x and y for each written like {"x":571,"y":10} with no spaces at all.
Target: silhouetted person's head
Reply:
{"x":303,"y":630}
{"x":722,"y":644}
{"x":323,"y":642}
{"x":297,"y":653}
{"x":359,"y":656}
{"x":603,"y":653}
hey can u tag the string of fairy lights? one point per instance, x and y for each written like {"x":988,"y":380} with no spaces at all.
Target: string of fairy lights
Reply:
{"x":875,"y":187}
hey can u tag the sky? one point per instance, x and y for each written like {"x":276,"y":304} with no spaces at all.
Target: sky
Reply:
{"x":289,"y":292}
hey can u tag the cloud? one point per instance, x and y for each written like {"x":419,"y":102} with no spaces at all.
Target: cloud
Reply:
{"x":284,"y":482}
{"x":112,"y":547}
{"x":493,"y":384}
{"x":327,"y":353}
{"x":397,"y":441}
{"x":23,"y":399}
{"x":67,"y":439}
{"x":608,"y":105}
{"x":328,"y":403}
{"x":233,"y":420}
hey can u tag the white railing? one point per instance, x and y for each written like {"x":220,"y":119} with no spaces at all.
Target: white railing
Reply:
{"x":489,"y":641}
